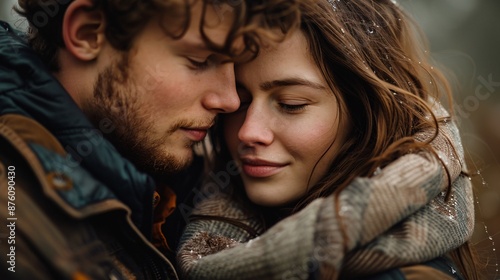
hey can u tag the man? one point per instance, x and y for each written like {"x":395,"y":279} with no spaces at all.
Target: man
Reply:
{"x":151,"y":76}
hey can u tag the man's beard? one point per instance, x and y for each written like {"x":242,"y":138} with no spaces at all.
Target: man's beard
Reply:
{"x":116,"y":101}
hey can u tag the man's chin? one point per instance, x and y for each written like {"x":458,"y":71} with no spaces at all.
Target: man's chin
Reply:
{"x":167,"y":164}
{"x":181,"y":164}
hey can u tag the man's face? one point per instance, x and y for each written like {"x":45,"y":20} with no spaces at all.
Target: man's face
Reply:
{"x":164,"y":94}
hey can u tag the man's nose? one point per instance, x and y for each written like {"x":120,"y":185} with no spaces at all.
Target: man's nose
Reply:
{"x":222,"y":96}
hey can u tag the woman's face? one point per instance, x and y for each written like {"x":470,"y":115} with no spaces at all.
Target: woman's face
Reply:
{"x":287,"y":130}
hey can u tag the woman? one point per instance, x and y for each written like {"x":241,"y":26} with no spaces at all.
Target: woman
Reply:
{"x":348,"y":166}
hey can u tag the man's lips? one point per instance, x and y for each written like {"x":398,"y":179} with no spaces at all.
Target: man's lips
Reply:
{"x":259,"y":168}
{"x":196,"y":134}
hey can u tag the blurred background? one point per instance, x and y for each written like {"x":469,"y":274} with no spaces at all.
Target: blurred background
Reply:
{"x":464,"y":37}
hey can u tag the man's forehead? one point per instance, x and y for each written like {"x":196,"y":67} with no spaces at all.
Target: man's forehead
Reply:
{"x":198,"y":47}
{"x":216,"y":20}
{"x":207,"y":23}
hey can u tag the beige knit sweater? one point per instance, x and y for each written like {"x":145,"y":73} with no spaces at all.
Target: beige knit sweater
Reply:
{"x":395,"y":218}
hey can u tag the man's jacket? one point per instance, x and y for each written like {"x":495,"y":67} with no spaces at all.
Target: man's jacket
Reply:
{"x":74,"y":207}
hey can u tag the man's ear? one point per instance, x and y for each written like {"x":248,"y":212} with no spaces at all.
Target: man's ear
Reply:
{"x":83,"y":30}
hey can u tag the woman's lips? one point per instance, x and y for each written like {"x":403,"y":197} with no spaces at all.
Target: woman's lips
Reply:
{"x":260,"y":168}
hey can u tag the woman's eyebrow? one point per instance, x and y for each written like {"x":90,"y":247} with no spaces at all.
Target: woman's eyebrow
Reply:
{"x":265,"y":86}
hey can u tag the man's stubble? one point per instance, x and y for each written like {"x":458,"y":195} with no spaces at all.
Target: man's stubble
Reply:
{"x":116,"y":97}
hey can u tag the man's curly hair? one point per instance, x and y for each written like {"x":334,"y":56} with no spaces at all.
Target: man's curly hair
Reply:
{"x":126,"y":18}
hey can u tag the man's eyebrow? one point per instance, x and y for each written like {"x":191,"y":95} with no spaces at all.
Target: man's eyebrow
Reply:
{"x":200,"y":46}
{"x":294,"y":81}
{"x":195,"y":45}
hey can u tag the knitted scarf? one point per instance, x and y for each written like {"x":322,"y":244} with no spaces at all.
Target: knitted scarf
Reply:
{"x":398,"y":217}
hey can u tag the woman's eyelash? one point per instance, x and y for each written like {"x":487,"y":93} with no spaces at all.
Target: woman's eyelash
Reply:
{"x":292,"y":108}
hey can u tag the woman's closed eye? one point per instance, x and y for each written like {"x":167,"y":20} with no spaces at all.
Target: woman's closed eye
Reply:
{"x":292,"y":108}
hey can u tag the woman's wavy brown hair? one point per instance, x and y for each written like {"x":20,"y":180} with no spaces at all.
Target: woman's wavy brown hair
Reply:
{"x":126,"y":18}
{"x":375,"y":60}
